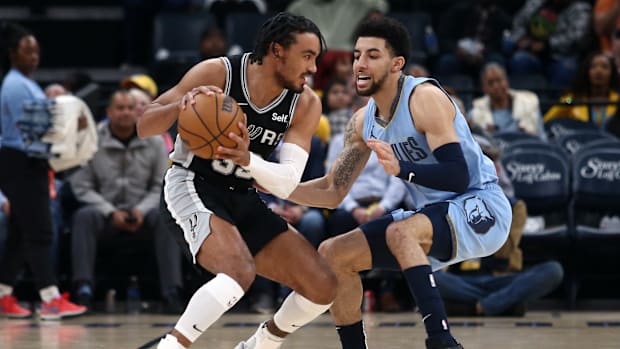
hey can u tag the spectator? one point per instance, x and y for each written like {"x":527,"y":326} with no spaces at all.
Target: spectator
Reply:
{"x":497,"y":284}
{"x":547,"y":35}
{"x":141,"y":81}
{"x":336,"y":101}
{"x":55,"y":90}
{"x":144,"y":89}
{"x":606,"y":21}
{"x":596,"y":82}
{"x":333,"y":65}
{"x":615,"y":48}
{"x":24,"y":181}
{"x":504,"y":109}
{"x":471,"y":35}
{"x":121,"y":188}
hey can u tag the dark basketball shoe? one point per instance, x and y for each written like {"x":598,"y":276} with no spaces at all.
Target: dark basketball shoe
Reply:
{"x":435,"y":344}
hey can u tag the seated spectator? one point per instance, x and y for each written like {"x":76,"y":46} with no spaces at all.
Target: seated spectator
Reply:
{"x":144,"y":89}
{"x":596,"y":82}
{"x":333,"y":65}
{"x":336,"y":101}
{"x":121,"y":188}
{"x":470,"y":35}
{"x":547,"y":34}
{"x":503,"y":109}
{"x":141,"y":81}
{"x":55,"y":90}
{"x":497,"y":284}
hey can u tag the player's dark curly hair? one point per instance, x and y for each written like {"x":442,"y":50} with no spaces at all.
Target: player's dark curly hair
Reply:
{"x":395,"y":34}
{"x":281,"y":29}
{"x":10,"y":36}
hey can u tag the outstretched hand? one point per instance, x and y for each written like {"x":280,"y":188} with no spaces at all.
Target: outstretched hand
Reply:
{"x":240,"y":154}
{"x":386,"y":156}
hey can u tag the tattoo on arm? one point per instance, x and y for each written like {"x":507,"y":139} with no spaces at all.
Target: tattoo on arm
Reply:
{"x":349,"y":158}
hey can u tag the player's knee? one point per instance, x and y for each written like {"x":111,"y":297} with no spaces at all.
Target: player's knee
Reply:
{"x":242,"y":272}
{"x":329,"y":251}
{"x":399,"y":236}
{"x":322,"y":289}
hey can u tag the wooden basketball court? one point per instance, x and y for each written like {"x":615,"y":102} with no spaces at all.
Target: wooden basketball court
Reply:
{"x":591,"y":330}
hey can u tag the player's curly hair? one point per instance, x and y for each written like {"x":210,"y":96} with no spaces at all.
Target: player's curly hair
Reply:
{"x":281,"y":29}
{"x":10,"y":36}
{"x":395,"y":34}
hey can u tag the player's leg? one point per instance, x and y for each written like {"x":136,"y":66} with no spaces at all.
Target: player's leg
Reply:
{"x":291,"y":260}
{"x":197,"y":215}
{"x":224,"y":253}
{"x":347,"y":255}
{"x":411,"y":239}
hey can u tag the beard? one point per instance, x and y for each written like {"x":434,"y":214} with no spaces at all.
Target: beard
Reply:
{"x":287,"y":84}
{"x":373,"y":88}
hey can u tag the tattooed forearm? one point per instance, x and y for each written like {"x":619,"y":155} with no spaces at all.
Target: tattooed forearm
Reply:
{"x":343,"y":173}
{"x":349,"y":158}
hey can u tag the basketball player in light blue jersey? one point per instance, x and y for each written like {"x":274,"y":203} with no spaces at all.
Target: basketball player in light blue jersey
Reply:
{"x":420,"y":136}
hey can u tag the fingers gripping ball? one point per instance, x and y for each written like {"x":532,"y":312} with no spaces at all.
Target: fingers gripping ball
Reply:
{"x":206,"y":124}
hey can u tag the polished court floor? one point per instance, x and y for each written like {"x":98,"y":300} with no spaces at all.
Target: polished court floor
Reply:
{"x":590,"y":330}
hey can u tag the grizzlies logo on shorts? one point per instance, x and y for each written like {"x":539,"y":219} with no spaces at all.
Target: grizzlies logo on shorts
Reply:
{"x":479,"y":217}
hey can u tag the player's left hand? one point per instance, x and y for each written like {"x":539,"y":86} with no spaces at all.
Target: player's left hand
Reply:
{"x":385,"y":154}
{"x":240,"y":154}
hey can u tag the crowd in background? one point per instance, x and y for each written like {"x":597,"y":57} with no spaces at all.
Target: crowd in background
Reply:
{"x":525,"y":64}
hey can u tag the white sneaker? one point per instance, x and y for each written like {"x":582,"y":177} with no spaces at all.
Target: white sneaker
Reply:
{"x":261,"y":339}
{"x":169,"y":342}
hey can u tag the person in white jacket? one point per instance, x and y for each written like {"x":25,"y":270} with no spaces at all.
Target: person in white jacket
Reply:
{"x":503,"y":109}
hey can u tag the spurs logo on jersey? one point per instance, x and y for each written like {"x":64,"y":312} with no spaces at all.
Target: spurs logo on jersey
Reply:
{"x":266,"y":127}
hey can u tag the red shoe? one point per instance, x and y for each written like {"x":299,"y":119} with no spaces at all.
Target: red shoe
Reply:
{"x":60,"y":307}
{"x":11,"y":309}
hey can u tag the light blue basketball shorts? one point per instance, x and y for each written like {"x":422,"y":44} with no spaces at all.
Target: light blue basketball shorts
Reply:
{"x":479,"y":221}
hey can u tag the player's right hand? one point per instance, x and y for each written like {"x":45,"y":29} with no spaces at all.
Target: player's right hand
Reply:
{"x":385,"y":155}
{"x":188,"y":98}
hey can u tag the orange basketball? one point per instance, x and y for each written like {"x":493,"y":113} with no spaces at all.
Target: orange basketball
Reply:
{"x":206,"y":124}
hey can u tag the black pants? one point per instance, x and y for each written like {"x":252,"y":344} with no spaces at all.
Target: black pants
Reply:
{"x":24,"y":181}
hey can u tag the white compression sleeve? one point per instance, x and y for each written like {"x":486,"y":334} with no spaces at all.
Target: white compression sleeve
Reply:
{"x":208,"y":303}
{"x":296,"y":311}
{"x":283,"y":177}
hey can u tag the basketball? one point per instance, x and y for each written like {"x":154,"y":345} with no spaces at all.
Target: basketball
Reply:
{"x":206,"y":124}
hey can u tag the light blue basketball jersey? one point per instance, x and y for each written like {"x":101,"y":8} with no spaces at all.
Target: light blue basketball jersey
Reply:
{"x":409,"y":144}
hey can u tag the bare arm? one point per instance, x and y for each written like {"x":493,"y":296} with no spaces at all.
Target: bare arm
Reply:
{"x":161,"y":114}
{"x":329,"y":190}
{"x":433,"y":115}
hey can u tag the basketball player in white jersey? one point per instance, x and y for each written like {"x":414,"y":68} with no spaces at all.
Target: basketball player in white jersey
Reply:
{"x":211,"y":205}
